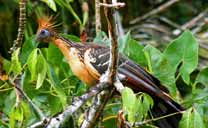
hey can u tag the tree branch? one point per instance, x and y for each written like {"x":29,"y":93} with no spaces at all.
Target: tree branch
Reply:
{"x":62,"y":118}
{"x":96,"y":109}
{"x":97,"y":17}
{"x":155,"y":11}
{"x":22,"y":23}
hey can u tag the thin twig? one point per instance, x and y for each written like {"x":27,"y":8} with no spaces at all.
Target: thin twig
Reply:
{"x":193,"y":21}
{"x":113,"y":35}
{"x":113,"y":5}
{"x":171,"y":23}
{"x":97,"y":17}
{"x":199,"y":27}
{"x":137,"y":124}
{"x":155,"y":11}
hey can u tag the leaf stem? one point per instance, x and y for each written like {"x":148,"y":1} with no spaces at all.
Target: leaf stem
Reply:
{"x":147,"y":56}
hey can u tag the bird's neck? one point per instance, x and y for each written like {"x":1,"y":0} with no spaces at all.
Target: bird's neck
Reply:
{"x":62,"y":45}
{"x":67,"y":47}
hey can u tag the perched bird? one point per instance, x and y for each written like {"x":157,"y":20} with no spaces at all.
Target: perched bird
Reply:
{"x":88,"y":61}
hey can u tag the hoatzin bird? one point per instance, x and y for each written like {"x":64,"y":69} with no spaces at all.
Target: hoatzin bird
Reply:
{"x":88,"y":61}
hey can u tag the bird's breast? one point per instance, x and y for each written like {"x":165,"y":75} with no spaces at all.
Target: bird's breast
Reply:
{"x":79,"y":68}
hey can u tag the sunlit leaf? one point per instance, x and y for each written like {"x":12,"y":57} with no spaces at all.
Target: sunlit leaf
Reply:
{"x":41,"y":71}
{"x":183,"y":50}
{"x":129,"y":103}
{"x":51,"y":4}
{"x":16,"y":116}
{"x":32,"y":63}
{"x":191,"y":119}
{"x":15,"y":63}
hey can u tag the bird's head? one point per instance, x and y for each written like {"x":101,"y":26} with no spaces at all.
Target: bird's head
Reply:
{"x":46,"y":30}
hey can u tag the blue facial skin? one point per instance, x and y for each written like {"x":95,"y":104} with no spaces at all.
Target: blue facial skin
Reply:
{"x":43,"y":36}
{"x":44,"y":33}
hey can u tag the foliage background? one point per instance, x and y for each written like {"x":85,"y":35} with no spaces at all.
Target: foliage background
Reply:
{"x":50,"y":84}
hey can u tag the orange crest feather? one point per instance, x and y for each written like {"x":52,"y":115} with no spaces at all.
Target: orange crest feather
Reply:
{"x":47,"y":23}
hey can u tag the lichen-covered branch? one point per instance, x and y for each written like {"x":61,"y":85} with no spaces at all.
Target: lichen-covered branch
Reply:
{"x":22,"y":23}
{"x":95,"y":111}
{"x":62,"y":118}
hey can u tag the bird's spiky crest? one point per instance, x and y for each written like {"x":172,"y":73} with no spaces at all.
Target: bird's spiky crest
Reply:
{"x":47,"y":23}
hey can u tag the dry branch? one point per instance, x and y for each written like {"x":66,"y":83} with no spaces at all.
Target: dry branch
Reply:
{"x":193,"y":21}
{"x":97,"y":17}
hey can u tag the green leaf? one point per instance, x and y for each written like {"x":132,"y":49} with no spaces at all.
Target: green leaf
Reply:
{"x":183,"y":50}
{"x":15,"y":63}
{"x":133,"y":50}
{"x":136,"y":107}
{"x":6,"y":65}
{"x":41,"y":71}
{"x":101,"y":38}
{"x":54,"y":55}
{"x":55,"y":83}
{"x":161,"y":68}
{"x":28,"y":46}
{"x":129,"y":103}
{"x":123,"y":41}
{"x":32,"y":63}
{"x":202,"y":77}
{"x":71,"y":37}
{"x":37,"y":66}
{"x":191,"y":119}
{"x":144,"y":103}
{"x":51,"y":4}
{"x":16,"y":116}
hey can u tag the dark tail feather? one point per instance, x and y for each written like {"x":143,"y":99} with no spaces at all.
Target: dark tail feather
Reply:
{"x":139,"y":80}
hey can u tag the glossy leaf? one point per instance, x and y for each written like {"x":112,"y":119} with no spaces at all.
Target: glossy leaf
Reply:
{"x":183,"y":50}
{"x":129,"y":103}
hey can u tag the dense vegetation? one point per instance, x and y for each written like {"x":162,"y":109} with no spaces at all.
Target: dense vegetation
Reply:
{"x":179,"y":63}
